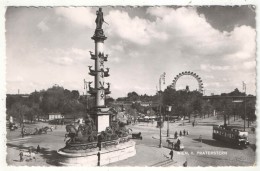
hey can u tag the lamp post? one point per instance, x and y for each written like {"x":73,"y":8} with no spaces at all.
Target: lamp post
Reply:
{"x":244,"y":88}
{"x":162,"y":78}
{"x":169,"y":108}
{"x":85,"y":87}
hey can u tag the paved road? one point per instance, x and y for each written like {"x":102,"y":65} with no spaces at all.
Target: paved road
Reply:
{"x":148,"y":152}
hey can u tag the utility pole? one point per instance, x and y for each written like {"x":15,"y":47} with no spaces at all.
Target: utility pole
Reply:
{"x":169,"y":110}
{"x":162,"y":77}
{"x":244,"y":88}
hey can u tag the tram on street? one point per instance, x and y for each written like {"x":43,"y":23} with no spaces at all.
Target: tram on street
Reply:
{"x":231,"y":135}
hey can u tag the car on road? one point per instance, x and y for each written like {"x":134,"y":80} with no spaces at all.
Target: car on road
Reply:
{"x":137,"y":136}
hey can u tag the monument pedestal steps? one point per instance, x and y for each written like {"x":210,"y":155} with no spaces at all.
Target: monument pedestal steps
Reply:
{"x":108,"y":155}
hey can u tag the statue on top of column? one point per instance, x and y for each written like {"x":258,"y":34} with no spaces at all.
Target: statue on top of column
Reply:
{"x":99,"y":20}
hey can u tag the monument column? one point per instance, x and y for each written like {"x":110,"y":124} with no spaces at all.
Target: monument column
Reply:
{"x":99,"y":64}
{"x":90,"y":147}
{"x":100,"y":113}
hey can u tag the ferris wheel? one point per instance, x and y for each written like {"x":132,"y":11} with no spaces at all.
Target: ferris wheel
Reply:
{"x":189,"y":73}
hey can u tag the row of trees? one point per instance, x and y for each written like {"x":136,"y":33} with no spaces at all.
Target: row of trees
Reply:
{"x":133,"y":96}
{"x":184,"y":103}
{"x":53,"y":100}
{"x":192,"y":104}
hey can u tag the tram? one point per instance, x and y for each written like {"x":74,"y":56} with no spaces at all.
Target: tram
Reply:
{"x":231,"y":135}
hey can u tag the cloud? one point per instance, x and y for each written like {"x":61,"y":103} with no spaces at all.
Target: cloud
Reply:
{"x":145,"y":43}
{"x":193,"y":35}
{"x":244,"y":38}
{"x":208,"y":67}
{"x":134,"y":54}
{"x":17,"y":79}
{"x":208,"y":76}
{"x":213,"y":84}
{"x":136,"y":30}
{"x":78,"y":15}
{"x":118,"y":47}
{"x":66,"y":57}
{"x":64,"y":60}
{"x":114,"y":59}
{"x":43,"y":26}
{"x":250,"y":65}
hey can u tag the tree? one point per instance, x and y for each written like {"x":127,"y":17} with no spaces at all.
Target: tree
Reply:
{"x":133,"y":96}
{"x":207,"y":108}
{"x":75,"y":94}
{"x":19,"y":110}
{"x":109,"y":101}
{"x":236,"y":92}
{"x":132,"y":112}
{"x":251,"y":111}
{"x":188,"y":109}
{"x":225,"y":107}
{"x":53,"y":99}
{"x":197,"y":106}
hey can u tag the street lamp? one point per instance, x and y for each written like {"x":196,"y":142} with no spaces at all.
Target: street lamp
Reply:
{"x":86,"y":87}
{"x":169,"y":108}
{"x":244,"y":88}
{"x":162,"y":78}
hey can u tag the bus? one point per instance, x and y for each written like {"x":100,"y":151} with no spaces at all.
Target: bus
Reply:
{"x":231,"y":135}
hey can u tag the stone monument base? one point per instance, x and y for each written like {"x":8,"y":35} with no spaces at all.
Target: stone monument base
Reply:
{"x":108,"y":155}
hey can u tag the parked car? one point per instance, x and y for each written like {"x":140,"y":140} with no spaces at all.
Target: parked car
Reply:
{"x":13,"y":126}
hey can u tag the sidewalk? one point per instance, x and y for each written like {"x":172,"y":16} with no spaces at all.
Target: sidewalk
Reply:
{"x":152,"y":156}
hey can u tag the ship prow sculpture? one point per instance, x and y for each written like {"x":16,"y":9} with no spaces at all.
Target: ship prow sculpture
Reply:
{"x":100,"y":140}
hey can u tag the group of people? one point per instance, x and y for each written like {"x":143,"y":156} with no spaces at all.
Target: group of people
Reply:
{"x":184,"y":132}
{"x":30,"y":154}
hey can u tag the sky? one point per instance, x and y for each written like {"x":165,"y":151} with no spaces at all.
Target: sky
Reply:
{"x":48,"y":46}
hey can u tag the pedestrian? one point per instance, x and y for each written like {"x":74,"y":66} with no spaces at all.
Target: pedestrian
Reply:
{"x":185,"y":164}
{"x":176,"y":134}
{"x":178,"y":142}
{"x":193,"y":124}
{"x":200,"y":138}
{"x":184,"y":132}
{"x":180,"y":133}
{"x":187,"y":132}
{"x":21,"y":156}
{"x":38,"y":149}
{"x":171,"y":154}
